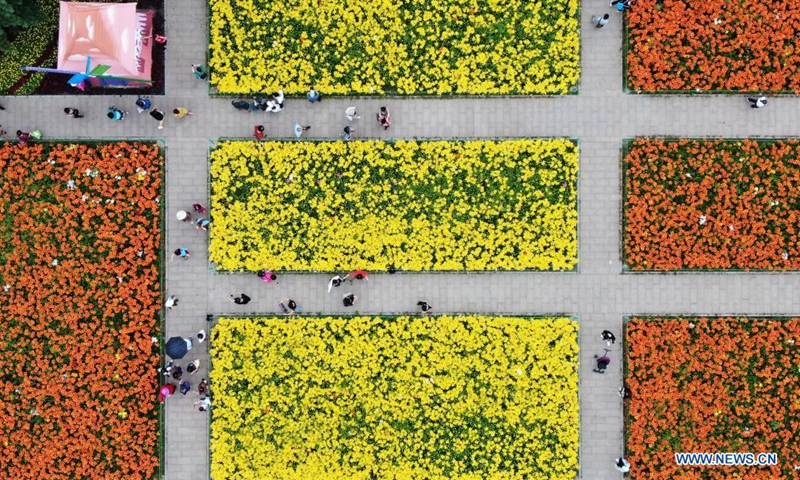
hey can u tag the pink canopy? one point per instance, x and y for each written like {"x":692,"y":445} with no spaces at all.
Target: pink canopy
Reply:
{"x":112,"y":34}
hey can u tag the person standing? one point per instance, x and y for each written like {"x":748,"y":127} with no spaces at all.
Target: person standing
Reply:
{"x":116,"y":114}
{"x":239,"y":298}
{"x":313,"y":96}
{"x":73,"y":112}
{"x":299,"y":129}
{"x":143,"y":104}
{"x":608,"y":337}
{"x":258,"y":132}
{"x":757,"y":102}
{"x":199,"y":71}
{"x":349,"y":299}
{"x":165,"y":391}
{"x":622,"y":465}
{"x":181,"y":112}
{"x":159,"y":116}
{"x":599,"y":21}
{"x":348,"y":133}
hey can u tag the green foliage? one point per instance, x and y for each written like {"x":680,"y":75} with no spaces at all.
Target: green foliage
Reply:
{"x":16,"y":14}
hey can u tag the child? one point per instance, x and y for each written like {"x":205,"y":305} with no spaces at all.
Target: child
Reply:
{"x":267,"y":276}
{"x":181,"y":112}
{"x":425,"y":307}
{"x":258,"y":132}
{"x":181,"y":252}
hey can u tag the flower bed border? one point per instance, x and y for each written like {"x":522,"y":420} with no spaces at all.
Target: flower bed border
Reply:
{"x":212,"y":321}
{"x":213,"y":143}
{"x":625,"y":269}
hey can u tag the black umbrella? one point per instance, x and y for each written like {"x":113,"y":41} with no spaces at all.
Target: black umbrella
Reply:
{"x":177,"y":347}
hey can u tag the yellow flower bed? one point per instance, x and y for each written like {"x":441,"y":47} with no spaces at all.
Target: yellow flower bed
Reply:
{"x":450,"y":398}
{"x":402,"y":46}
{"x":329,"y":206}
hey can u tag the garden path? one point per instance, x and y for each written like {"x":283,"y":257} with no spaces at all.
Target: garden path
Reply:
{"x":599,"y":295}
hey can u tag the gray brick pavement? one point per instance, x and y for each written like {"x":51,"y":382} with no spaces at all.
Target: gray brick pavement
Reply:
{"x":599,"y":294}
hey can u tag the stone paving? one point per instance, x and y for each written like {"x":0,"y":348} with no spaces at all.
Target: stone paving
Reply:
{"x":599,"y":295}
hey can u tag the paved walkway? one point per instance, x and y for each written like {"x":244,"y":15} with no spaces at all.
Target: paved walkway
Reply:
{"x":601,"y":116}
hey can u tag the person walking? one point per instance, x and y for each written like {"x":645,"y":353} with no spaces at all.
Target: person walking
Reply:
{"x":599,"y":21}
{"x":2,"y":132}
{"x":73,"y":112}
{"x":757,"y":102}
{"x":384,"y":118}
{"x":279,"y":97}
{"x":622,"y":465}
{"x":181,"y":252}
{"x":183,"y":216}
{"x":23,"y":137}
{"x":181,"y":112}
{"x":608,"y":337}
{"x":116,"y":114}
{"x":288,"y":306}
{"x":349,"y":299}
{"x":159,"y":116}
{"x":239,"y":298}
{"x":621,"y":5}
{"x":348,"y":133}
{"x":425,"y":307}
{"x":185,"y":387}
{"x":171,"y":301}
{"x":313,"y":96}
{"x":351,"y":114}
{"x":625,"y":392}
{"x":198,"y":207}
{"x":357,"y":275}
{"x":143,"y":104}
{"x":202,"y":224}
{"x":267,"y":276}
{"x":336,"y":281}
{"x":258,"y":132}
{"x":299,"y":129}
{"x":199,"y":71}
{"x":193,"y":366}
{"x":202,"y":387}
{"x":203,"y":405}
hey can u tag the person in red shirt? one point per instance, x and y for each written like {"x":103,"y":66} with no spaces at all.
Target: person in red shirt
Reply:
{"x":258,"y":132}
{"x":358,"y":275}
{"x":165,"y":391}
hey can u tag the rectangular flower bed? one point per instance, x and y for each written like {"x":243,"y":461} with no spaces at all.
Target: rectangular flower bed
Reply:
{"x":80,"y":301}
{"x":712,"y":385}
{"x":713,"y":45}
{"x":404,"y":47}
{"x":427,"y":205}
{"x":451,"y":398}
{"x":711,"y":204}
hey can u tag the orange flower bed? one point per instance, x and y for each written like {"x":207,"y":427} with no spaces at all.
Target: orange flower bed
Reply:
{"x":713,"y":45}
{"x":712,"y":385}
{"x":712,"y":204}
{"x":80,"y":300}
